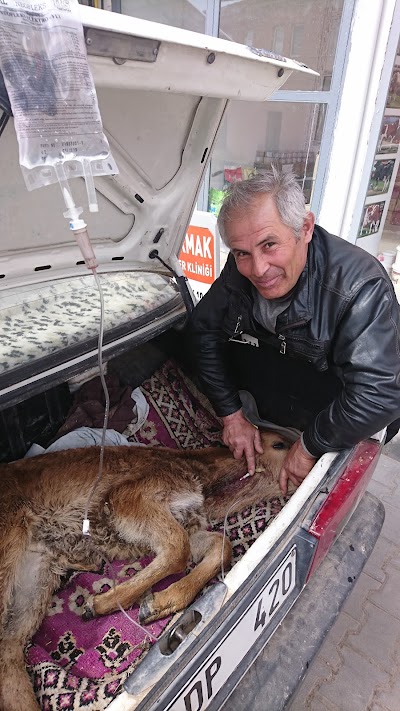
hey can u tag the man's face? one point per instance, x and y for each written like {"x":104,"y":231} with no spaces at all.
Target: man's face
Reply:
{"x":265,"y":249}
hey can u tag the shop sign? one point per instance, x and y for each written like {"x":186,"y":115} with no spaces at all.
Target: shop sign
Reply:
{"x":199,"y":257}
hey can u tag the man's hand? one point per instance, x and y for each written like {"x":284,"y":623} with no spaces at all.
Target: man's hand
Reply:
{"x":242,"y":438}
{"x":297,"y":465}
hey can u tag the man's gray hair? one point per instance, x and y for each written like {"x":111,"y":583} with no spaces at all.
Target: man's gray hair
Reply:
{"x":283,"y":188}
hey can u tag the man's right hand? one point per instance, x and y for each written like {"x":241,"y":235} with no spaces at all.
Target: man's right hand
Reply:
{"x":242,"y":438}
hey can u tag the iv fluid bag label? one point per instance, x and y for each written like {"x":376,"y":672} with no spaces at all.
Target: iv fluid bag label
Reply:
{"x":53,"y":98}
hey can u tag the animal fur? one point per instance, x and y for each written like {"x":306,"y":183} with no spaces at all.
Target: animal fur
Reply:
{"x":147,"y":499}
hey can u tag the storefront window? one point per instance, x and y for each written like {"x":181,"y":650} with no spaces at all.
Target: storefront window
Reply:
{"x":188,"y":15}
{"x":288,"y":130}
{"x":287,"y":135}
{"x":306,"y":30}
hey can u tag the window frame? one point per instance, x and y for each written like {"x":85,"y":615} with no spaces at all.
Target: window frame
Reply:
{"x":330,"y":98}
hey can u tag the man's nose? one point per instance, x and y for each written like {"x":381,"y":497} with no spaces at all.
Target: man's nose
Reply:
{"x":259,"y":265}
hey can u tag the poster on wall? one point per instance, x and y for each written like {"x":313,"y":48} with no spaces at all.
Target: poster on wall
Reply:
{"x":381,"y":174}
{"x":393,"y":100}
{"x":371,"y":219}
{"x":390,"y":135}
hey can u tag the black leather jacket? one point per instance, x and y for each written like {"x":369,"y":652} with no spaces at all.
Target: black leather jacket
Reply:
{"x":343,"y":320}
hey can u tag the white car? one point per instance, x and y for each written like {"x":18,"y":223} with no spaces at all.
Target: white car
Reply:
{"x":162,"y":94}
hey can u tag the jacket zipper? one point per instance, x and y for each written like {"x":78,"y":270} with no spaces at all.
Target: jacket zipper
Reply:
{"x":238,"y":322}
{"x":283,"y":344}
{"x":237,"y":331}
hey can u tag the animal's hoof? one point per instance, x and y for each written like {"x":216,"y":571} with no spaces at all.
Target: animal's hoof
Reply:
{"x":146,"y":610}
{"x":89,"y":613}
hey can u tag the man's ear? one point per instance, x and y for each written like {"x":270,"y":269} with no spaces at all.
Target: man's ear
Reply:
{"x":308,"y":226}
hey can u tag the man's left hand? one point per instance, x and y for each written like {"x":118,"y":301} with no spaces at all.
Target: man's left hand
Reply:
{"x":297,"y":465}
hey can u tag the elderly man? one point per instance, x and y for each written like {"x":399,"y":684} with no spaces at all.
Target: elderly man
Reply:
{"x":304,"y":320}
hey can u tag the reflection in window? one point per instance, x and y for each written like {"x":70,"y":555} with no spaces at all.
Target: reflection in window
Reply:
{"x":297,"y":41}
{"x":306,"y":30}
{"x":319,"y":123}
{"x":321,"y":111}
{"x":285,"y":135}
{"x":274,"y":125}
{"x":187,"y":14}
{"x":250,"y":39}
{"x":278,"y":39}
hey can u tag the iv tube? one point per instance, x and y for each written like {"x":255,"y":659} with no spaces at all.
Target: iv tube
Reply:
{"x":79,"y":228}
{"x":86,"y":522}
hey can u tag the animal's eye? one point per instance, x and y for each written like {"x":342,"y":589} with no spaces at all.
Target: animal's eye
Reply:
{"x":280,"y":445}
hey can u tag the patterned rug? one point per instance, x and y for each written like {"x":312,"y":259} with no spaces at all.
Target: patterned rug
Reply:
{"x":82,"y":665}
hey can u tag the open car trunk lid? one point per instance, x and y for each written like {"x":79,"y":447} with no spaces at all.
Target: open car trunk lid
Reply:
{"x":162,"y":94}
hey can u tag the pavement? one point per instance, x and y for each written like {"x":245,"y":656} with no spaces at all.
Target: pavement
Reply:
{"x":358,"y":666}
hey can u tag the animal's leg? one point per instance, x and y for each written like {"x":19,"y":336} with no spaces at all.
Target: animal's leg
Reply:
{"x":139,"y":519}
{"x":70,"y":564}
{"x":16,"y":692}
{"x":31,"y":589}
{"x":208,"y":550}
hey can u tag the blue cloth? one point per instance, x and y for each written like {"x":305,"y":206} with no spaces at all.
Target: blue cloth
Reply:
{"x":82,"y":437}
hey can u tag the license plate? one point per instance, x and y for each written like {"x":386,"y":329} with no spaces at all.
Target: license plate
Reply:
{"x":216,"y":669}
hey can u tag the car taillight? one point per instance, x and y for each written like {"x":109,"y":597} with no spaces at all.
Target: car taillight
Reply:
{"x":343,"y":499}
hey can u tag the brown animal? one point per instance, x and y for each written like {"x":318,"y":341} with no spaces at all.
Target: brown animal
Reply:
{"x":147,"y":499}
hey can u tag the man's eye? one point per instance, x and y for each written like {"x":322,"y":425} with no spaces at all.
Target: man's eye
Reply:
{"x":268,"y":245}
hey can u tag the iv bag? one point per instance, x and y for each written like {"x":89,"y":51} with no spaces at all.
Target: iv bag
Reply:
{"x":53,"y":98}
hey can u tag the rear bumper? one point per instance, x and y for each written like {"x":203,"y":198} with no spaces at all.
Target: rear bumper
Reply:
{"x":281,"y":665}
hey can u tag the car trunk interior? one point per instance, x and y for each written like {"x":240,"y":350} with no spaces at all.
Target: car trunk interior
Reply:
{"x":91,"y":660}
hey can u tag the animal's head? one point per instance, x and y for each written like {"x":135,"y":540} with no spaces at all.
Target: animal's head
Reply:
{"x":275,"y":448}
{"x":239,"y":490}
